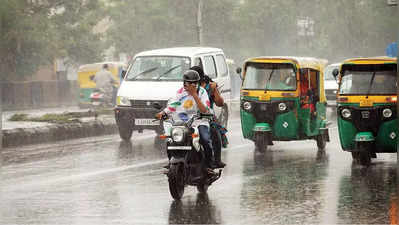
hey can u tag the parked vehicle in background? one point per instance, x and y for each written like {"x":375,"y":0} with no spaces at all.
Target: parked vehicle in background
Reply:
{"x":366,"y":107}
{"x":331,"y":84}
{"x":154,"y":76}
{"x":86,"y":74}
{"x":282,"y":99}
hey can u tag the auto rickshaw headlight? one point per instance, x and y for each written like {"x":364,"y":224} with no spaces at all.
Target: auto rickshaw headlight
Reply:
{"x":247,"y":106}
{"x":387,"y":113}
{"x":346,"y":113}
{"x":177,"y":134}
{"x":282,"y":106}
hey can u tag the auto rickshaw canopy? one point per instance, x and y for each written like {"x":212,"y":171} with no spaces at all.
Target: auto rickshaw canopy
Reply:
{"x":300,"y":63}
{"x":85,"y":72}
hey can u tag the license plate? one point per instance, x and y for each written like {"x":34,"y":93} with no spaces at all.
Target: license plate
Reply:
{"x":96,"y":103}
{"x":366,"y":103}
{"x":179,"y":147}
{"x":264,"y":97}
{"x":146,"y":122}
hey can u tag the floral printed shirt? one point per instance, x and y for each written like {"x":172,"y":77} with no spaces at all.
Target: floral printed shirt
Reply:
{"x":183,"y":102}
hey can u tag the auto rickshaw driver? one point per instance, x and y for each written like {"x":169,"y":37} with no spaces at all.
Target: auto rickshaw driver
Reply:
{"x":306,"y":92}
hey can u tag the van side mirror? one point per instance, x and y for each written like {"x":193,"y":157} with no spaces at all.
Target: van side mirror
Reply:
{"x":123,"y":74}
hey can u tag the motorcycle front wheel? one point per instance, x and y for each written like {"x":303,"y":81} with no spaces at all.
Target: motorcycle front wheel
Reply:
{"x":176,"y":180}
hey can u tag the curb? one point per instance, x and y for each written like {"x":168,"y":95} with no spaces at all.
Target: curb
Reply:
{"x":58,"y":132}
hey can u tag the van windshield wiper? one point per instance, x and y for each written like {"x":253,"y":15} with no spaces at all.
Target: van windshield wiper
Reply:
{"x":168,"y":71}
{"x":143,"y":72}
{"x":268,"y":80}
{"x":371,"y":84}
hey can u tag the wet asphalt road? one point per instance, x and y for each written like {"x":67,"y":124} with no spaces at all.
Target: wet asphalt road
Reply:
{"x":103,"y":180}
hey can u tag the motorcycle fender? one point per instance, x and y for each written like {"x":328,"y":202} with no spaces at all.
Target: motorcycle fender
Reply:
{"x":174,"y":160}
{"x":261,"y":127}
{"x":364,"y":137}
{"x":196,"y":140}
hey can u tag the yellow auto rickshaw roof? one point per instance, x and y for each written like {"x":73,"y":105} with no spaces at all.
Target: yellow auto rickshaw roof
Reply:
{"x":302,"y":62}
{"x":98,"y":66}
{"x":370,"y":60}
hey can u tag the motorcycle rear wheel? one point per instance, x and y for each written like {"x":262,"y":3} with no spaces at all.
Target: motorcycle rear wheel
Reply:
{"x":176,"y":182}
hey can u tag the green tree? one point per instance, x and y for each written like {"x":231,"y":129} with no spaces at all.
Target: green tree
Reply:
{"x":34,"y":33}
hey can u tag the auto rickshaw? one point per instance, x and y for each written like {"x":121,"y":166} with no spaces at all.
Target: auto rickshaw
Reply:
{"x":366,"y":107}
{"x":87,"y":72}
{"x":283,"y":99}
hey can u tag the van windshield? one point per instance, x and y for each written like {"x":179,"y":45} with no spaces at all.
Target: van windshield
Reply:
{"x":375,"y":81}
{"x":158,"y":68}
{"x":267,"y":76}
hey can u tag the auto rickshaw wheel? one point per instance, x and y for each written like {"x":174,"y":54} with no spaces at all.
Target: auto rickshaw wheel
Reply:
{"x":321,"y":141}
{"x":363,"y":156}
{"x":261,"y":143}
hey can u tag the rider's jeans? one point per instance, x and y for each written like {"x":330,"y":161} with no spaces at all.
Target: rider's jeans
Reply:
{"x":205,"y":141}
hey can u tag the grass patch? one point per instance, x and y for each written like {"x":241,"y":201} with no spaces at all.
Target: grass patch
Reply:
{"x":60,"y":118}
{"x":19,"y":117}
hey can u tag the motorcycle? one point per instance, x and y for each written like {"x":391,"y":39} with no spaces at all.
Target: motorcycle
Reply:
{"x":186,"y":154}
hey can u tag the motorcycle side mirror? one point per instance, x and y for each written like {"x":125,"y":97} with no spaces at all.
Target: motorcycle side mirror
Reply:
{"x":123,"y":74}
{"x":238,"y":71}
{"x":156,"y":105}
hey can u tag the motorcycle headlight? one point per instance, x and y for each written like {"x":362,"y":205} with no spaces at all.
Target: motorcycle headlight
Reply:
{"x":177,"y":134}
{"x":247,"y":106}
{"x":346,"y":113}
{"x":282,"y":106}
{"x":387,"y":113}
{"x":124,"y":101}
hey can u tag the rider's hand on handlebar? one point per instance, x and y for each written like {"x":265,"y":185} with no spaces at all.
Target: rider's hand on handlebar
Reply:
{"x":159,"y":115}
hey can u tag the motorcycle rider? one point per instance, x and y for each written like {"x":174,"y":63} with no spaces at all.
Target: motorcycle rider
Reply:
{"x":215,"y":99}
{"x":104,"y":82}
{"x":190,"y":99}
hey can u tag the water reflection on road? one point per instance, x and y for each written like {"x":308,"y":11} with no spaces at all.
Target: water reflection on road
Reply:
{"x":108,"y":181}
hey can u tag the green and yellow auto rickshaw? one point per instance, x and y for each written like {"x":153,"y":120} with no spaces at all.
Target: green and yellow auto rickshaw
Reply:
{"x":283,"y":99}
{"x":366,"y":107}
{"x":86,"y":74}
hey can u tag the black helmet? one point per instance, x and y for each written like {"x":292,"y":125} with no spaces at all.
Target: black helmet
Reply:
{"x":191,"y":76}
{"x":200,"y":71}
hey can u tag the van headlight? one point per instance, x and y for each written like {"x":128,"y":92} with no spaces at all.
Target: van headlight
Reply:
{"x":247,"y":106}
{"x":387,"y":113}
{"x":177,"y":134}
{"x":282,"y":106}
{"x":123,"y":101}
{"x":346,"y":113}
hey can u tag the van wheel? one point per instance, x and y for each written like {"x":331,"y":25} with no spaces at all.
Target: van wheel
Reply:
{"x":224,"y":115}
{"x":125,"y":131}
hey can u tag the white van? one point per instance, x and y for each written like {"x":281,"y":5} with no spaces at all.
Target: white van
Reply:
{"x":156,"y":75}
{"x":330,"y":84}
